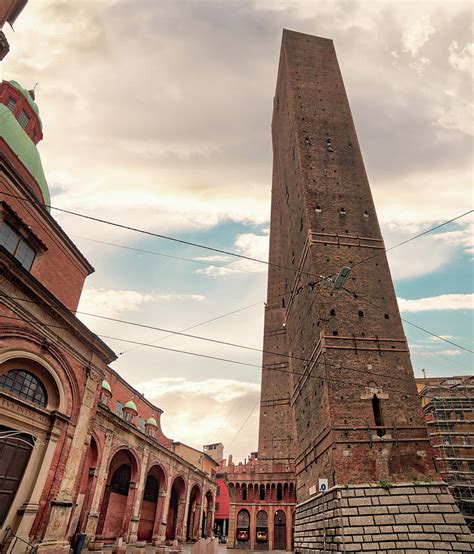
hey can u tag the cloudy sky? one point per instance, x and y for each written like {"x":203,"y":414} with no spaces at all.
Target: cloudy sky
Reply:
{"x":157,"y":114}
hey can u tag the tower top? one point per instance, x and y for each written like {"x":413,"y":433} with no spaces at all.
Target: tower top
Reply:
{"x":21,"y":128}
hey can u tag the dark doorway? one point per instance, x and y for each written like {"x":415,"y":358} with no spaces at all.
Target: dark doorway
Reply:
{"x":15,"y":450}
{"x":279,"y":530}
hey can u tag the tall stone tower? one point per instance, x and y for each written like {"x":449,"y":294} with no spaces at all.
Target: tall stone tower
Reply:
{"x":343,"y":402}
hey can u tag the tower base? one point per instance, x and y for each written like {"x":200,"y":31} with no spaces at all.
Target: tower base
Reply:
{"x":406,"y":518}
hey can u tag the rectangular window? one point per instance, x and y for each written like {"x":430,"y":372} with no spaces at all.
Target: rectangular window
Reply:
{"x":218,"y":490}
{"x":11,"y":103}
{"x":16,"y":245}
{"x":24,"y":119}
{"x":217,"y":506}
{"x":141,"y":424}
{"x":118,"y":408}
{"x":459,"y":416}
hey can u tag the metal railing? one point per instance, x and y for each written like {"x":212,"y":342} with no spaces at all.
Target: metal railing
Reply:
{"x":10,"y":541}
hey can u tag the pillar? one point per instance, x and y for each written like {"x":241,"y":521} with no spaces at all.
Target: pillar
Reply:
{"x":186,"y":509}
{"x":61,"y":507}
{"x":132,"y":534}
{"x":93,"y":517}
{"x":289,"y":528}
{"x":158,"y":514}
{"x":271,"y":527}
{"x":166,"y":507}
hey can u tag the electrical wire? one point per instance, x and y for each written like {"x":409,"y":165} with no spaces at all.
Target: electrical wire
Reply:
{"x":207,"y":339}
{"x":160,"y":236}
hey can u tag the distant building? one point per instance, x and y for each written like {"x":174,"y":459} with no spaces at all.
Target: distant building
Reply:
{"x":448,"y":405}
{"x":215,"y":450}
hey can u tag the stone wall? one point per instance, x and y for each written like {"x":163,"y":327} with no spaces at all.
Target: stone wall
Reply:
{"x":405,"y":519}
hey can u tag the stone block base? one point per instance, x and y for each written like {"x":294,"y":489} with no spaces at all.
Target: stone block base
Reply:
{"x":405,"y":519}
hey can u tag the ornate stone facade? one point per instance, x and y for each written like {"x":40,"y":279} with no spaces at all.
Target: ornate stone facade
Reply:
{"x":81,"y":451}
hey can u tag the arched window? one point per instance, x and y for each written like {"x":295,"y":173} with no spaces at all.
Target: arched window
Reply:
{"x":262,"y":492}
{"x":244,"y":493}
{"x":279,"y":492}
{"x":24,"y":385}
{"x":151,"y":489}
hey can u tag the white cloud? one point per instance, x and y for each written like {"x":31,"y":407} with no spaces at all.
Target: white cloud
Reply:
{"x":222,"y":390}
{"x":437,"y":303}
{"x":463,"y":237}
{"x":458,"y":115}
{"x":462,"y":60}
{"x":111,"y":303}
{"x":447,"y":352}
{"x":246,"y":244}
{"x":419,"y":65}
{"x":417,"y":35}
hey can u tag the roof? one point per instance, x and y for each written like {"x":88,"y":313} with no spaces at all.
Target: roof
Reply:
{"x":151,"y":421}
{"x":106,"y":386}
{"x":131,"y":405}
{"x":22,"y":145}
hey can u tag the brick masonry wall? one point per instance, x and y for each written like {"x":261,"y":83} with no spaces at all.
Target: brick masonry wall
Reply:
{"x":406,"y":519}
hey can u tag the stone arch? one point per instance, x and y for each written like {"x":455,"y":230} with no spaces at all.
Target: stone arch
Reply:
{"x":279,"y":530}
{"x":152,"y":503}
{"x":119,"y":495}
{"x":176,"y":508}
{"x":29,"y":429}
{"x":242,"y":530}
{"x":261,"y":530}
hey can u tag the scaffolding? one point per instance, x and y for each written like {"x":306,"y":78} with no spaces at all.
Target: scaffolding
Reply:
{"x":448,"y":405}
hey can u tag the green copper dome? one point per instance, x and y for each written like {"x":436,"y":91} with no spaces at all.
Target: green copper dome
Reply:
{"x":151,"y":421}
{"x":22,"y":145}
{"x":131,"y":405}
{"x":106,"y":386}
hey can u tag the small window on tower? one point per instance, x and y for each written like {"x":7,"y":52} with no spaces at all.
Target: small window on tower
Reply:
{"x":318,"y":210}
{"x":11,"y":103}
{"x":24,"y":119}
{"x":16,"y":245}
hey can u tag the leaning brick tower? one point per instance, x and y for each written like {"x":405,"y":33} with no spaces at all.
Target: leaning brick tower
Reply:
{"x":342,"y":403}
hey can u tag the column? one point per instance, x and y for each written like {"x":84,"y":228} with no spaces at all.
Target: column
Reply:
{"x":93,"y":517}
{"x":158,"y":514}
{"x":186,"y":509}
{"x":61,"y":506}
{"x":166,"y":507}
{"x":289,"y":527}
{"x":271,"y":527}
{"x":137,"y":505}
{"x":253,"y":526}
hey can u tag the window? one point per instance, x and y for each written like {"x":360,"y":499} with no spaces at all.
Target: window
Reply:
{"x":141,"y":424}
{"x":104,"y":399}
{"x":118,"y":408}
{"x":24,"y":119}
{"x":150,"y":431}
{"x":129,"y":416}
{"x":24,"y":385}
{"x":279,"y":492}
{"x":217,"y":506}
{"x":378,"y":415}
{"x":262,"y":492}
{"x":244,"y":494}
{"x":16,"y":245}
{"x":218,"y":491}
{"x":11,"y":103}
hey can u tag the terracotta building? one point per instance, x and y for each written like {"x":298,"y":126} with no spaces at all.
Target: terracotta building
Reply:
{"x":81,"y":451}
{"x":9,"y":11}
{"x":339,"y":405}
{"x":448,"y":406}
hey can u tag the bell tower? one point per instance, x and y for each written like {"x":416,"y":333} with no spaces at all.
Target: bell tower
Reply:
{"x":344,"y":402}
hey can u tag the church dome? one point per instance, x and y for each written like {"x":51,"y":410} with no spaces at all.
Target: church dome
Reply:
{"x":17,"y":138}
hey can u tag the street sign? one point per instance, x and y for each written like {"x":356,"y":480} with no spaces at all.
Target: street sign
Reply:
{"x":323,"y":485}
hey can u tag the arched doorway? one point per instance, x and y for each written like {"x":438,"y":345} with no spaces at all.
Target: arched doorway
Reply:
{"x":155,"y":482}
{"x":261,"y":531}
{"x":279,"y":530}
{"x":15,"y":451}
{"x":118,"y":498}
{"x":207,"y":515}
{"x":173,"y":523}
{"x":194,"y":512}
{"x":242,"y":534}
